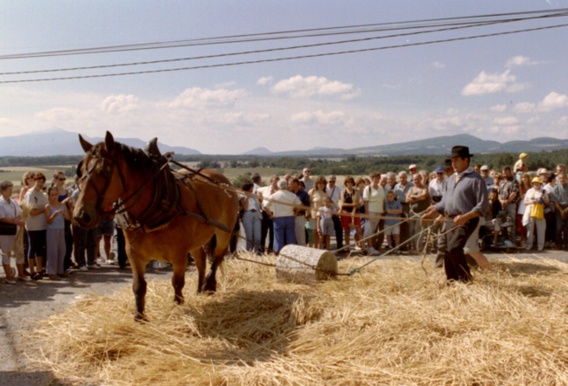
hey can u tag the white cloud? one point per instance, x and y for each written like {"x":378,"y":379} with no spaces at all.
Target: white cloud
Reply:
{"x":498,"y":108}
{"x":485,"y":83}
{"x":119,"y":103}
{"x":196,"y":97}
{"x":438,"y":65}
{"x":319,"y":117}
{"x":554,"y":101}
{"x":525,"y":107}
{"x":264,"y":80}
{"x":520,"y":60}
{"x":505,"y":121}
{"x":305,"y":87}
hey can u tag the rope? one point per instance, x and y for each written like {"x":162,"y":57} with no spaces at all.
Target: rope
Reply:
{"x":351,"y":272}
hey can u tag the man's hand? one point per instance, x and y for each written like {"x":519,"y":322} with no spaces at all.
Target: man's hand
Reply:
{"x":429,"y":213}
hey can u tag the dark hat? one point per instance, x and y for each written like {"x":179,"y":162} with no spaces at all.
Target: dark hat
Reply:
{"x":448,"y":164}
{"x":461,"y":151}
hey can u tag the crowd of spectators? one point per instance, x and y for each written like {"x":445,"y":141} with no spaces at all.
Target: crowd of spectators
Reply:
{"x":527,"y":209}
{"x":364,"y":210}
{"x":38,"y":234}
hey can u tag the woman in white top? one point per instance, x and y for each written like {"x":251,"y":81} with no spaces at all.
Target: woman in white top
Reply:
{"x":317,"y":199}
{"x":36,"y":225}
{"x":251,"y":218}
{"x":11,"y":213}
{"x":535,"y":195}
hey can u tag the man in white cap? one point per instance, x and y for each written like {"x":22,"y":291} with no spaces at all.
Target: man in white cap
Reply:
{"x":486,"y":177}
{"x":412,"y":170}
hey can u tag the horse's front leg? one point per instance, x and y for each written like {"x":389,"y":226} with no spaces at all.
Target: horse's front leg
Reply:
{"x":178,"y":278}
{"x":139,"y":288}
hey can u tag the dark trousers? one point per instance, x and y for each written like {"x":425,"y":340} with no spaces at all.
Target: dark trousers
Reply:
{"x":266,"y":228}
{"x":338,"y":231}
{"x":561,"y":231}
{"x":85,"y":241}
{"x":67,"y":263}
{"x":405,"y":227}
{"x":455,"y":261}
{"x":380,"y":238}
{"x":550,"y":233}
{"x":121,"y":248}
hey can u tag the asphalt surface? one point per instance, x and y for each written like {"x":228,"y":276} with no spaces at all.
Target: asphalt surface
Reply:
{"x":23,"y":304}
{"x":26,"y":303}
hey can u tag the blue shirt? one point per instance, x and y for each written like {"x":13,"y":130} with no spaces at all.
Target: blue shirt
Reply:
{"x":392,"y":219}
{"x":466,"y":195}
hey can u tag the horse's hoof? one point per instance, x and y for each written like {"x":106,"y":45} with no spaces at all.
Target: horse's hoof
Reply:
{"x":140,"y":318}
{"x":178,"y":300}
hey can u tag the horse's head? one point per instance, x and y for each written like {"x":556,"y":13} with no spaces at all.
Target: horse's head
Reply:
{"x":100,"y":181}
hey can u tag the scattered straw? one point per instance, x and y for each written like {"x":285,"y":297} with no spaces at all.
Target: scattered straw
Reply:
{"x":391,"y":324}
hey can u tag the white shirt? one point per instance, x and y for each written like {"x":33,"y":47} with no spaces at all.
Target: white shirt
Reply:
{"x":435,"y":188}
{"x":334,"y":193}
{"x":282,"y":203}
{"x":9,"y":210}
{"x":35,"y":200}
{"x":375,"y":197}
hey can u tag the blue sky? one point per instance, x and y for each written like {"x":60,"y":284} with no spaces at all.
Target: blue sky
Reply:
{"x":503,"y":88}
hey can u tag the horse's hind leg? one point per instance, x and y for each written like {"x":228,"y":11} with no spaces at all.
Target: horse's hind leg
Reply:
{"x":210,"y":280}
{"x":178,"y":279}
{"x":218,"y":248}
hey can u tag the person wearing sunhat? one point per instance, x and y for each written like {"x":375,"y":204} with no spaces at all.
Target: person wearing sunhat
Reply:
{"x":463,"y":203}
{"x":535,"y":196}
{"x":520,"y":162}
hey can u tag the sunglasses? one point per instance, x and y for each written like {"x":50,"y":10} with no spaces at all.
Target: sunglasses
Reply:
{"x":62,"y":179}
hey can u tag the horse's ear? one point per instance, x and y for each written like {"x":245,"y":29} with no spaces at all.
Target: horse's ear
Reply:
{"x":152,"y":147}
{"x":109,"y":141}
{"x":86,"y":145}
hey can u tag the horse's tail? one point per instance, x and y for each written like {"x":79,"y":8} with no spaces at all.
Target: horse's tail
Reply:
{"x":211,"y":248}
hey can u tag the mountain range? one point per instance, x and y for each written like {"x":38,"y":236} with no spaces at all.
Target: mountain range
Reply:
{"x":62,"y":142}
{"x":431,"y":146}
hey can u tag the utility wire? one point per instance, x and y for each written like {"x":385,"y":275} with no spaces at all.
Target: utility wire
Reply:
{"x":292,"y":34}
{"x":246,"y":52}
{"x":451,"y":27}
{"x":290,"y":57}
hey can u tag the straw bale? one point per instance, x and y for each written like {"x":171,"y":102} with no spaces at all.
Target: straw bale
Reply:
{"x":295,"y":263}
{"x":390,"y":324}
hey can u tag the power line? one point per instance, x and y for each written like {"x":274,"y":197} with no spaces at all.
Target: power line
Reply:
{"x":290,"y":57}
{"x":292,"y":34}
{"x":246,"y":52}
{"x":450,"y":27}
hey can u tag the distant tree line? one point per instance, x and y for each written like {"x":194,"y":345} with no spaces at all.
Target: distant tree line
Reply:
{"x":343,"y":165}
{"x":357,"y":165}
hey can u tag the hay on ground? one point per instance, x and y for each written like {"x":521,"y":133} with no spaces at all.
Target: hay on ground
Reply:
{"x":391,"y":324}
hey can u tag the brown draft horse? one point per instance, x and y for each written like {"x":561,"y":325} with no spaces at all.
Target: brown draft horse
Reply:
{"x":117,"y":179}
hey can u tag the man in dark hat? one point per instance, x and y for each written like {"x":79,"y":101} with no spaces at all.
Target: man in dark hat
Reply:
{"x":463,"y":202}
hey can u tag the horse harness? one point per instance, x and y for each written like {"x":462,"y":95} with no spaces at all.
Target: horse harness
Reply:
{"x":166,"y":198}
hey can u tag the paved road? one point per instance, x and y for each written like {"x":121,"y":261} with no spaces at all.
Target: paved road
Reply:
{"x":23,"y":303}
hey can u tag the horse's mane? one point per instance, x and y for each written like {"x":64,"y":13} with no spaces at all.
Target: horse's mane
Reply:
{"x":135,"y":158}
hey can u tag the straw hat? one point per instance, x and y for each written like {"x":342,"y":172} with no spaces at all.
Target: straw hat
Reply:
{"x":536,"y":180}
{"x":523,"y":155}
